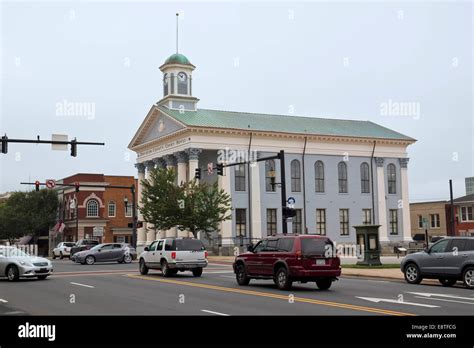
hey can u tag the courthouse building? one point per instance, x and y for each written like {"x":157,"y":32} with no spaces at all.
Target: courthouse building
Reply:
{"x":341,"y":173}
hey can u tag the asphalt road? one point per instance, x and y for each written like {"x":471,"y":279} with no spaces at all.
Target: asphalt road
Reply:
{"x":118,"y":289}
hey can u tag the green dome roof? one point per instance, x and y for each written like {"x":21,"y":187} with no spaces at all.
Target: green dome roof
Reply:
{"x":178,"y":58}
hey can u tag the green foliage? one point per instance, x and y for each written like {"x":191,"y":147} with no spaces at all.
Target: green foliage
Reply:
{"x":189,"y":206}
{"x":28,"y":213}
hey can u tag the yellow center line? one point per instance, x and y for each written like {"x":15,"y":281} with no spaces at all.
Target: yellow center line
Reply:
{"x":276,"y":296}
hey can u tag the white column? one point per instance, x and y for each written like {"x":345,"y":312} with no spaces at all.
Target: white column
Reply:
{"x":171,"y":164}
{"x":141,"y":232}
{"x":161,"y":164}
{"x":256,"y":201}
{"x":193,"y":162}
{"x":150,"y":230}
{"x":181,"y":158}
{"x":406,"y":228}
{"x":381,"y":204}
{"x":225,"y":226}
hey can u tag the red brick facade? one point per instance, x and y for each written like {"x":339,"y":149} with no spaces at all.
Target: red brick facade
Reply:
{"x":463,"y":216}
{"x":97,"y":207}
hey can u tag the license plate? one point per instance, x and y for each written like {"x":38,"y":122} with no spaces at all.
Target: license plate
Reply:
{"x":43,"y":270}
{"x":320,"y":262}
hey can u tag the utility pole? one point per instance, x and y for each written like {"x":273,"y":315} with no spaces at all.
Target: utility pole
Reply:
{"x":451,"y":208}
{"x":281,"y":155}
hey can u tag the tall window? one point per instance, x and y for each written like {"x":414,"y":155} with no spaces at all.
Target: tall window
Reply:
{"x":239,"y":171}
{"x":319,"y":175}
{"x":111,"y":209}
{"x":128,"y":209}
{"x":366,"y":216}
{"x":182,"y":83}
{"x":344,"y":221}
{"x":434,"y":220}
{"x":295,"y":176}
{"x":240,"y":222}
{"x":297,"y":225}
{"x":342,"y":175}
{"x":92,"y":208}
{"x":364,"y":178}
{"x":321,"y":221}
{"x":392,"y":178}
{"x":165,"y":84}
{"x":271,"y":222}
{"x":420,"y":221}
{"x":466,"y":214}
{"x":270,"y":175}
{"x":393,"y":221}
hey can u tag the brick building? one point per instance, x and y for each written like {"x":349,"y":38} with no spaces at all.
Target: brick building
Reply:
{"x":463,"y":216}
{"x":433,"y":213}
{"x":102,"y":213}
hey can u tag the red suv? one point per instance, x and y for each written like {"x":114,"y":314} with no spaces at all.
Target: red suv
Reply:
{"x":288,"y":258}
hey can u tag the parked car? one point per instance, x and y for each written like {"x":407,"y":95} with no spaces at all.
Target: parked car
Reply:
{"x":171,"y":255}
{"x":15,"y":264}
{"x":289,"y":258}
{"x":107,"y":252}
{"x":63,"y":249}
{"x":83,"y":244}
{"x":448,"y":260}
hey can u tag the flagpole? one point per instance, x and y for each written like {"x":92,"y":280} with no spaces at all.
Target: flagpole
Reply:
{"x":177,"y":16}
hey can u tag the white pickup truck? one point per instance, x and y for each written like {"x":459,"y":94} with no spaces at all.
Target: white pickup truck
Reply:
{"x":171,"y":255}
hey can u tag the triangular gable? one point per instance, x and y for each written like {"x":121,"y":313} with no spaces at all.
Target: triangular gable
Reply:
{"x":155,"y":125}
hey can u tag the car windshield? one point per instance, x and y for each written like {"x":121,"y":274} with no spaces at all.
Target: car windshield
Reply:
{"x":315,"y":246}
{"x":69,"y":244}
{"x":188,"y":245}
{"x":12,"y":252}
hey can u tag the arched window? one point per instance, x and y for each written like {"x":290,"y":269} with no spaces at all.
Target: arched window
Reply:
{"x":239,"y":171}
{"x":111,"y":209}
{"x":92,"y":208}
{"x":270,"y":176}
{"x":295,"y":176}
{"x":182,"y":83}
{"x":165,"y":84}
{"x":392,"y":178}
{"x":364,"y":178}
{"x":342,"y":175}
{"x":319,"y":175}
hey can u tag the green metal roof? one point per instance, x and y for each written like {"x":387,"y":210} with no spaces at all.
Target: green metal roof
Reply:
{"x":178,"y":58}
{"x":282,"y":123}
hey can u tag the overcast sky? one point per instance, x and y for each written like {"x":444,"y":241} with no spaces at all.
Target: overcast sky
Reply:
{"x":323,"y":59}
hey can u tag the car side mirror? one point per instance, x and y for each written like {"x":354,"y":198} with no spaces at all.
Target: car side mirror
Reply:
{"x":99,"y":250}
{"x":146,"y":249}
{"x":427,"y":250}
{"x":250,"y":248}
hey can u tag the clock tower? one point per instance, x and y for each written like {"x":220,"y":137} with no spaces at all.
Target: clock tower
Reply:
{"x":177,"y":83}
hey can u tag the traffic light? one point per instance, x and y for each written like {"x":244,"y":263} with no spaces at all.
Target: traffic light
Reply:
{"x":4,"y":144}
{"x":197,"y":173}
{"x":73,"y":148}
{"x":289,"y":212}
{"x":76,"y":185}
{"x":220,"y":169}
{"x":37,"y":185}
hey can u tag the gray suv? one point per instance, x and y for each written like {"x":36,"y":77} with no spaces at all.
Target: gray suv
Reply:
{"x":449,"y":260}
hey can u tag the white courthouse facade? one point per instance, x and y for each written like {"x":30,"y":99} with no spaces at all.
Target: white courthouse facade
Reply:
{"x":341,"y":173}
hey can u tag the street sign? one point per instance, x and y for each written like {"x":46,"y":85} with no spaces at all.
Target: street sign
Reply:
{"x":98,"y":232}
{"x":59,"y":137}
{"x":50,"y":183}
{"x":291,"y":200}
{"x":210,"y":168}
{"x":425,"y":223}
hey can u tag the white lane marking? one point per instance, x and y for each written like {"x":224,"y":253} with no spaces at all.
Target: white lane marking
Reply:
{"x":84,"y":285}
{"x":216,"y":272}
{"x":444,"y":300}
{"x":217,"y":313}
{"x":2,"y":300}
{"x":227,"y":277}
{"x":429,"y":294}
{"x":14,"y":312}
{"x":377,"y":300}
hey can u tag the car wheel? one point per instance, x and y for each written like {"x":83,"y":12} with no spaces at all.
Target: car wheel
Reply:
{"x":323,"y":284}
{"x":197,"y":272}
{"x":42,"y":277}
{"x":468,"y":278}
{"x":165,"y":269}
{"x":412,"y":274}
{"x":13,"y":274}
{"x":127,"y":258}
{"x":447,"y":281}
{"x":61,"y":255}
{"x":143,"y":267}
{"x":241,"y":275}
{"x":282,"y":280}
{"x":54,"y":255}
{"x":90,"y":260}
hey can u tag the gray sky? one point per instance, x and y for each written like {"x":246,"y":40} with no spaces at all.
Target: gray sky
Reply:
{"x":348,"y":59}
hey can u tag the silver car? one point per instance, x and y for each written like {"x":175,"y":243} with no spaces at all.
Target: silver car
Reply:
{"x":120,"y":252}
{"x":15,"y":263}
{"x":449,"y":260}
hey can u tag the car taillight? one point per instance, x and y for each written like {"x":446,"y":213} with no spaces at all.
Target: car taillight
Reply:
{"x":173,"y":255}
{"x":205,"y":254}
{"x":298,"y":255}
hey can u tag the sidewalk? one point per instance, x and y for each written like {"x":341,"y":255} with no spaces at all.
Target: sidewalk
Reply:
{"x":387,"y":273}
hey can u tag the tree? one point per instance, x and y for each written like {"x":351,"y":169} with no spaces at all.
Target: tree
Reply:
{"x":188,"y":206}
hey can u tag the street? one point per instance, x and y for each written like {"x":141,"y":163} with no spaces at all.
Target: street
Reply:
{"x":119,"y":289}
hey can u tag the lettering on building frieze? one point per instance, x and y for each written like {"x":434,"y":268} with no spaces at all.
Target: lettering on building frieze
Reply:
{"x":164,"y":146}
